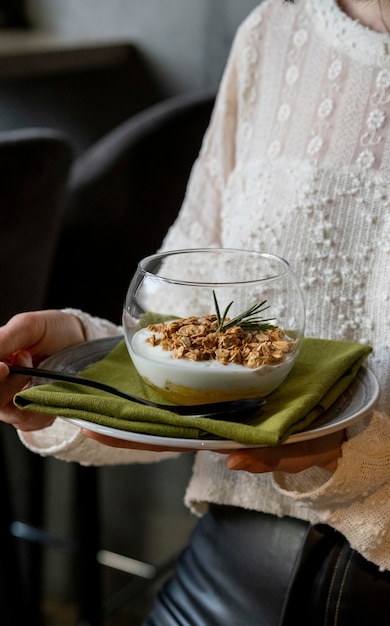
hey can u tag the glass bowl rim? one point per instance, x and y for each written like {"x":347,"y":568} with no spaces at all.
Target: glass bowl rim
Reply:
{"x":160,"y":255}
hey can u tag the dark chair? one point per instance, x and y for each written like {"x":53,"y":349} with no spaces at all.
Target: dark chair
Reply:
{"x":124,"y":193}
{"x":34,"y":168}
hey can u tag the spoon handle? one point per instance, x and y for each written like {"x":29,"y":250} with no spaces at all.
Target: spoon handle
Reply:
{"x":215,"y":409}
{"x":79,"y":380}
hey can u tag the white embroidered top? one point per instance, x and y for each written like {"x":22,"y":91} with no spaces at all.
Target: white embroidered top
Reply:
{"x":296,"y":162}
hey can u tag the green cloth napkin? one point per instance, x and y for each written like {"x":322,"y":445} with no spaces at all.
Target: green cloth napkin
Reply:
{"x":322,"y":371}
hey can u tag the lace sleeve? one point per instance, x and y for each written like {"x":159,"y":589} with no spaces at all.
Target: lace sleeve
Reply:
{"x":356,"y":499}
{"x":95,"y":327}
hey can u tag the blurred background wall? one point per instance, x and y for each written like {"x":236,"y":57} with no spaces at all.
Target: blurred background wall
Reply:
{"x":173,"y":47}
{"x":185,"y":42}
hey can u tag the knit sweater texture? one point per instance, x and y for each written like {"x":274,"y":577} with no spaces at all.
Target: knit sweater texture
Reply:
{"x":296,"y":162}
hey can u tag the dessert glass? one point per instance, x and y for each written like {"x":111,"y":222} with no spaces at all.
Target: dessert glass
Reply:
{"x":223,"y":283}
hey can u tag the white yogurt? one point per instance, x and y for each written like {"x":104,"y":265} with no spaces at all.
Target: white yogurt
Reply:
{"x":197,"y":381}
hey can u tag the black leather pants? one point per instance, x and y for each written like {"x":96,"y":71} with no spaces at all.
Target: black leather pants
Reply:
{"x":244,"y":568}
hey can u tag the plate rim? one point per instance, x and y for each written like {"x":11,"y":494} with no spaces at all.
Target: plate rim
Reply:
{"x":215,"y":444}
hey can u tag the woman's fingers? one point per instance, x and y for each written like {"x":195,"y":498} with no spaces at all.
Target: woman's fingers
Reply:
{"x":10,"y":384}
{"x":41,"y":333}
{"x":26,"y":339}
{"x":292,"y":458}
{"x":24,"y":420}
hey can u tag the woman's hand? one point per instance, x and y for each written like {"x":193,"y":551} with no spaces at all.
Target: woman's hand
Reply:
{"x":291,"y":458}
{"x":26,"y":340}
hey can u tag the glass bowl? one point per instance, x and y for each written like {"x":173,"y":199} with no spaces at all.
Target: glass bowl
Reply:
{"x":209,"y":325}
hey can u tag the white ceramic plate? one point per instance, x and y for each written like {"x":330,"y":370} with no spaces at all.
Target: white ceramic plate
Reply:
{"x":356,"y":402}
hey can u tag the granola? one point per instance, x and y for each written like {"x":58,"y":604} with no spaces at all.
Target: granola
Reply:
{"x":198,"y":339}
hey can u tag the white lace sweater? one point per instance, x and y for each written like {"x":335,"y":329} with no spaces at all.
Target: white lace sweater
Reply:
{"x":296,"y":162}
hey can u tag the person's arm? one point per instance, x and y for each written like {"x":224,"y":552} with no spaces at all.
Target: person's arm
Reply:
{"x":55,"y":437}
{"x":355,"y":498}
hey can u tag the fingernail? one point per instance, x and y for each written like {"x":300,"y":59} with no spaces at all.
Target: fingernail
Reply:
{"x":237,"y":462}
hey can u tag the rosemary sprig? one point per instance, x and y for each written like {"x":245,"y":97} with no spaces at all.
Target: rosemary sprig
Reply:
{"x":248,"y":320}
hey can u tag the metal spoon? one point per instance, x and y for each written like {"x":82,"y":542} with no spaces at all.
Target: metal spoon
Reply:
{"x":230,"y":409}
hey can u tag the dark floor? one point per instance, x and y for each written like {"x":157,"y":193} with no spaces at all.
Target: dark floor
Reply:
{"x":56,"y":612}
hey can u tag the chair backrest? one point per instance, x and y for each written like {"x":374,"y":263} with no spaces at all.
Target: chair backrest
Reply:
{"x":34,"y":169}
{"x":125,"y":191}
